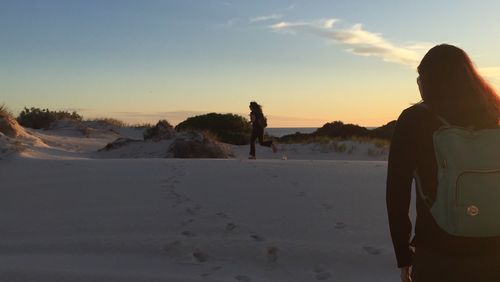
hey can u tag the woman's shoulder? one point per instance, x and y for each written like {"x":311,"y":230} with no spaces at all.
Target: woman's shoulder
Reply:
{"x":415,"y":113}
{"x":415,"y":119}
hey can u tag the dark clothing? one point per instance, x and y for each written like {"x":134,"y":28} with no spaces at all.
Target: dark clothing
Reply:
{"x":412,"y":148}
{"x":434,"y":267}
{"x":257,"y":119}
{"x":258,"y":133}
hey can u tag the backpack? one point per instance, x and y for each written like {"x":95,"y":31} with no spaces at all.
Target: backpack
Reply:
{"x":468,"y":194}
{"x":263,"y":121}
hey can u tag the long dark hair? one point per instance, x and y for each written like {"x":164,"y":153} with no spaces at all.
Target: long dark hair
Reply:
{"x":255,"y":107}
{"x":452,"y":87}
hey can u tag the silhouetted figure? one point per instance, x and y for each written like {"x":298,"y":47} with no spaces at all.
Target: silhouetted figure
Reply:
{"x":259,"y":122}
{"x":451,"y":88}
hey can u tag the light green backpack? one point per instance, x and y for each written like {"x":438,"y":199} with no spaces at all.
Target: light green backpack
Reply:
{"x":468,"y":195}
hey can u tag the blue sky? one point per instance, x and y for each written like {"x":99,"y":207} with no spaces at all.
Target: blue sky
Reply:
{"x":307,"y":62}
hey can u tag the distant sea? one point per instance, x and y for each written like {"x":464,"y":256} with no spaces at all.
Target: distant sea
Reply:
{"x":282,"y":131}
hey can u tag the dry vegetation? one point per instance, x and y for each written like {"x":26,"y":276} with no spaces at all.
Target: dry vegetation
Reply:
{"x":192,"y":144}
{"x":4,"y":111}
{"x":9,"y":125}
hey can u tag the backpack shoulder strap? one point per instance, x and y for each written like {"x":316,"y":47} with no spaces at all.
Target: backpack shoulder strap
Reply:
{"x":427,"y":201}
{"x":420,"y":192}
{"x":440,"y":118}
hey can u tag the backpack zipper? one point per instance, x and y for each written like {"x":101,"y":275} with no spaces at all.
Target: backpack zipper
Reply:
{"x":478,"y":171}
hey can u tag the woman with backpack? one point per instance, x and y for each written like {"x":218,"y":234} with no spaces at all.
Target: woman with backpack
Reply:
{"x":454,"y":97}
{"x":259,"y":122}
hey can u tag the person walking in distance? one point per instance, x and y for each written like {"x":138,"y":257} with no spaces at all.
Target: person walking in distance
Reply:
{"x":259,"y":122}
{"x":455,"y":99}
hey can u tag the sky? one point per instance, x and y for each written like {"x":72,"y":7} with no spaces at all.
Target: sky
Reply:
{"x":307,"y":62}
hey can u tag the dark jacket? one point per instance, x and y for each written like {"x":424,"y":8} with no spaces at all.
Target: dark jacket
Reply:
{"x":258,"y":120}
{"x":412,"y":148}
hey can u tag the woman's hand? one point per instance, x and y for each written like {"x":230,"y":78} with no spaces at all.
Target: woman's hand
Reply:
{"x":406,"y":274}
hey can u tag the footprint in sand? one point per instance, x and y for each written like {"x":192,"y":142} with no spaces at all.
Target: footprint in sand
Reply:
{"x":372,"y":250}
{"x":257,"y":238}
{"x":175,"y":195}
{"x":188,"y":233}
{"x":339,"y":225}
{"x":211,"y":271}
{"x":321,"y":273}
{"x":272,"y":254}
{"x":243,"y":278}
{"x":200,"y":256}
{"x":230,"y":226}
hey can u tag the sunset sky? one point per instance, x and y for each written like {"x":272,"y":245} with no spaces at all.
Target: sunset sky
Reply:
{"x":306,"y":62}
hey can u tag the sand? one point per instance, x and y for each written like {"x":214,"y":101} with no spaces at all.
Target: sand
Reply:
{"x":68,"y":215}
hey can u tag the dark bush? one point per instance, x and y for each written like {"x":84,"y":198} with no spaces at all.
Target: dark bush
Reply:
{"x":228,"y":128}
{"x":296,"y":137}
{"x":384,"y":132}
{"x":341,"y":130}
{"x":109,"y":122}
{"x":42,"y":118}
{"x":192,"y":144}
{"x":162,"y":130}
{"x":337,"y":129}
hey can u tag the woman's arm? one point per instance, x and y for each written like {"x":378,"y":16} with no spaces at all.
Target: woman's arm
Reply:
{"x":402,"y":163}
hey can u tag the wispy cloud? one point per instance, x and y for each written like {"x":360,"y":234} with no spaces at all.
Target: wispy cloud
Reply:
{"x":291,"y":7}
{"x":266,"y":18}
{"x":359,"y":41}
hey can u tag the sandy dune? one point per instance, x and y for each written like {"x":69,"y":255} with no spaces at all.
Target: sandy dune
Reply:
{"x":73,"y":218}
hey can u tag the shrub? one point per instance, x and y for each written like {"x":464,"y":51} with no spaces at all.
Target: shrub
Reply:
{"x":8,"y":125}
{"x":229,"y":128}
{"x":162,"y":130}
{"x":4,"y":111}
{"x":42,"y":118}
{"x":145,"y":125}
{"x":339,"y":129}
{"x":385,"y":131}
{"x":192,"y":144}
